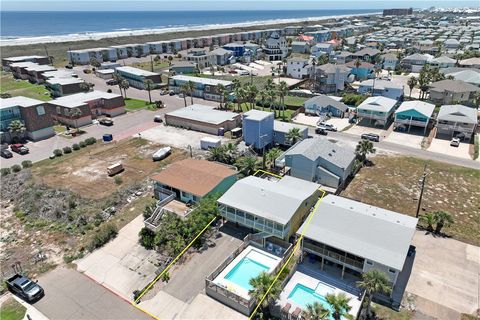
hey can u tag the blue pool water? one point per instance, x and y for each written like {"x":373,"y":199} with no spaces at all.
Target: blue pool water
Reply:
{"x":302,"y":296}
{"x":245,"y":270}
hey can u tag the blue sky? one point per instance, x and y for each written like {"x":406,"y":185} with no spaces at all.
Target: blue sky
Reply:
{"x":160,"y":5}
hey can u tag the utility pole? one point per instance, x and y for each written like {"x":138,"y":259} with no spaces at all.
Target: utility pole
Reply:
{"x":151,"y":63}
{"x":46,"y":53}
{"x":71,"y":58}
{"x":424,"y":175}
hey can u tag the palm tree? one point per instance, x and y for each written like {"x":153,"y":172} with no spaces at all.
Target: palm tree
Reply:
{"x":282,"y":92}
{"x":216,"y":154}
{"x":323,"y":59}
{"x":260,"y":285}
{"x":315,"y":311}
{"x":293,"y":135}
{"x":16,"y":128}
{"x":273,"y":154}
{"x":119,"y":80}
{"x":363,"y":148}
{"x":339,"y":304}
{"x":191,"y":88}
{"x":85,"y":87}
{"x":271,"y":95}
{"x":252,"y":92}
{"x":263,"y":98}
{"x":221,"y":91}
{"x":148,"y":84}
{"x":247,"y":165}
{"x":270,"y":85}
{"x":184,"y":90}
{"x":429,"y":219}
{"x":76,"y":113}
{"x":412,"y":82}
{"x":442,"y":219}
{"x":124,"y":85}
{"x":374,"y":281}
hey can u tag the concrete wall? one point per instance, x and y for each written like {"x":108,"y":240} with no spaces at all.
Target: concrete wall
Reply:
{"x":41,"y":134}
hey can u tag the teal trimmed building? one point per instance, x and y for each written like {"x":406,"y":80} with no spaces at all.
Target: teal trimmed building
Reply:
{"x":190,"y":180}
{"x":414,"y":114}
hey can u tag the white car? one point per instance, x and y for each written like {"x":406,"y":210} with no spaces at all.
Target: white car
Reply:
{"x":327,"y":126}
{"x":455,"y":142}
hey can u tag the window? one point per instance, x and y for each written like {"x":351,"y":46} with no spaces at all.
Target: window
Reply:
{"x":59,"y":110}
{"x":66,"y":112}
{"x":370,"y":263}
{"x":392,"y":271}
{"x":40,"y":110}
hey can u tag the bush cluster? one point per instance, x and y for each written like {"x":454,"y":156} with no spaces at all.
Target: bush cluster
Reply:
{"x":104,"y":234}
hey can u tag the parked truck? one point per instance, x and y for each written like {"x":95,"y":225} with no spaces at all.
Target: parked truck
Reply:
{"x":24,"y":288}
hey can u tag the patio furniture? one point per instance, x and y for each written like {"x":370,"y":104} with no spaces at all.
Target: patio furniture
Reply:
{"x":270,"y":247}
{"x":286,"y":308}
{"x":296,"y":313}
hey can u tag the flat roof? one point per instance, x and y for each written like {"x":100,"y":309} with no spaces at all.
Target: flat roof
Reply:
{"x":457,"y":113}
{"x":137,"y":71}
{"x":198,"y":177}
{"x":61,"y":73}
{"x":257,"y":115}
{"x":204,"y":113}
{"x":20,"y":101}
{"x":64,"y":80}
{"x":381,"y":84}
{"x":366,"y":231}
{"x":274,"y":200}
{"x":209,"y":81}
{"x":284,"y":127}
{"x":40,"y":67}
{"x":22,"y":58}
{"x":78,"y":99}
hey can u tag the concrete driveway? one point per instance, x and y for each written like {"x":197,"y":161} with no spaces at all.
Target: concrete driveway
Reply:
{"x":358,"y":130}
{"x":406,"y":139}
{"x":122,"y":265}
{"x":445,"y":276}
{"x":71,"y":295}
{"x":443,"y":146}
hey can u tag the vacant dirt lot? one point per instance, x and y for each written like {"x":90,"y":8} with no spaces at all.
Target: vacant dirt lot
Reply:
{"x":85,"y":171}
{"x":393,"y":183}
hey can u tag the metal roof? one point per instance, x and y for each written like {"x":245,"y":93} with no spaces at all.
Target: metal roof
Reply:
{"x":19,"y":101}
{"x":204,"y":113}
{"x":323,"y":100}
{"x":366,"y":231}
{"x":457,"y":113}
{"x":136,"y":71}
{"x":276,"y":200}
{"x":209,"y":81}
{"x":381,"y":84}
{"x":78,"y":99}
{"x":424,"y":108}
{"x":322,"y":148}
{"x":280,"y":126}
{"x":379,"y":103}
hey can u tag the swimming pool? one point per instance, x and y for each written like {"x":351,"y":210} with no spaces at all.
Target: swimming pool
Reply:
{"x":303,"y":295}
{"x":245,"y":270}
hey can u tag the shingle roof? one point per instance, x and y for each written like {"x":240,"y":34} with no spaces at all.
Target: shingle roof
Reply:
{"x":321,"y":147}
{"x":457,"y":113}
{"x":369,"y":51}
{"x":332,"y":68}
{"x":469,"y":76}
{"x":323,"y":100}
{"x":453,"y":86}
{"x":198,"y":177}
{"x":443,"y":59}
{"x":274,"y":200}
{"x":366,"y":231}
{"x":382,"y":104}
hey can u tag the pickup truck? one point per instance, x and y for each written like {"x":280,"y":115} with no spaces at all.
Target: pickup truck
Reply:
{"x":24,"y":288}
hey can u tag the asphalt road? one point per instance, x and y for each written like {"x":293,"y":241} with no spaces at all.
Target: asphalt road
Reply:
{"x":71,"y":295}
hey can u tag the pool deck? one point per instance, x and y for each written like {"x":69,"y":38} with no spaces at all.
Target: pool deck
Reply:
{"x":320,"y":288}
{"x":263,"y":257}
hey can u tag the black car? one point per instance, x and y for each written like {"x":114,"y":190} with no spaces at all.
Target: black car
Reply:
{"x":321,"y":131}
{"x":106,"y":122}
{"x":112,"y":82}
{"x":5,"y":153}
{"x":370,"y":136}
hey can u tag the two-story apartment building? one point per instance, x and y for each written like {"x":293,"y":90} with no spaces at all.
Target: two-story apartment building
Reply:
{"x":321,"y":49}
{"x":357,"y":237}
{"x":205,"y":88}
{"x":443,"y":62}
{"x":62,"y":86}
{"x":299,"y":68}
{"x":136,"y":77}
{"x":452,"y":92}
{"x":389,"y":61}
{"x":220,"y":57}
{"x":84,"y":56}
{"x":377,"y":110}
{"x":331,"y":77}
{"x":321,"y":161}
{"x":453,"y":120}
{"x":6,"y":62}
{"x":34,"y":114}
{"x":275,"y":207}
{"x":414,"y":114}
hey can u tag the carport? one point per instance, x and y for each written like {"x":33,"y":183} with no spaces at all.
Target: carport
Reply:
{"x":414,"y":113}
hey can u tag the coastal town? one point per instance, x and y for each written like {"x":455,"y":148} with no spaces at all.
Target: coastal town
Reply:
{"x":326,"y":169}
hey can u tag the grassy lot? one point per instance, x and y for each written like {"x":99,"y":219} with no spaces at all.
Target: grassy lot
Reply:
{"x":384,"y":313}
{"x":84,"y":171}
{"x":158,"y":66}
{"x":295,"y":101}
{"x":136,"y":104}
{"x":278,"y":114}
{"x":11,"y":309}
{"x":22,"y":88}
{"x":392,"y":183}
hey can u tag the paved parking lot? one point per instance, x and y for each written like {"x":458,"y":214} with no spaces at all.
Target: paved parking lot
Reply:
{"x":122,"y":265}
{"x":71,"y":295}
{"x":446,"y":286}
{"x":443,"y":146}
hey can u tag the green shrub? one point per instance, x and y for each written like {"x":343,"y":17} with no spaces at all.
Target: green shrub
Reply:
{"x":5,"y":171}
{"x":476,"y":147}
{"x":75,"y":146}
{"x":16,"y":168}
{"x":147,"y":238}
{"x":26,"y":164}
{"x":104,"y":234}
{"x":90,"y":141}
{"x":67,"y":150}
{"x":118,"y":180}
{"x":82,"y":144}
{"x":57,"y":153}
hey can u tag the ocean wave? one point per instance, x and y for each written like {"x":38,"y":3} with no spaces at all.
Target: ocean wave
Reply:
{"x":10,"y":41}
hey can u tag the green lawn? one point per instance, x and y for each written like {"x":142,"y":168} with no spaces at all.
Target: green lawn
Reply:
{"x":23,"y":88}
{"x":278,"y":114}
{"x":157,"y":65}
{"x":295,"y":101}
{"x":12,"y":310}
{"x":136,"y":104}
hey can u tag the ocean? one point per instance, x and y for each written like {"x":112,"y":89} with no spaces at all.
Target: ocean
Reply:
{"x":17,"y":25}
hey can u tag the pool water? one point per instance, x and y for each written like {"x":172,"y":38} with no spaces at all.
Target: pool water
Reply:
{"x":303,"y":295}
{"x":245,"y":270}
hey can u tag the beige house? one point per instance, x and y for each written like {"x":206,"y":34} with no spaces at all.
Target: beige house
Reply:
{"x":452,"y":92}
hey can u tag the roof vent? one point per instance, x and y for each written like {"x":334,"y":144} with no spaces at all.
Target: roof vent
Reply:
{"x":374,"y":214}
{"x":333,"y":150}
{"x":330,"y":154}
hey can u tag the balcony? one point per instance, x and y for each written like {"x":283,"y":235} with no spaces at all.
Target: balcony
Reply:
{"x":343,"y":259}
